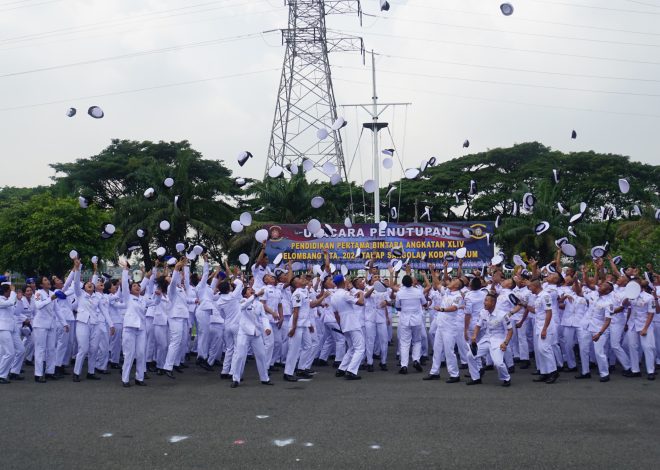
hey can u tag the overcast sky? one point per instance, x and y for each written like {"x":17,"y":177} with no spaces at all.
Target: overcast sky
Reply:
{"x":470,"y":72}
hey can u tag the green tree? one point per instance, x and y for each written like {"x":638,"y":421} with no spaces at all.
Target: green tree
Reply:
{"x":117,"y":178}
{"x":38,"y":234}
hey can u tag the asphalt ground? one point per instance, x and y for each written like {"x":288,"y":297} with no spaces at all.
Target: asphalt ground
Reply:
{"x":386,"y":420}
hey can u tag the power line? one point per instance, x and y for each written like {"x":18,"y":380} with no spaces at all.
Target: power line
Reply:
{"x":490,"y":46}
{"x":497,"y":82}
{"x":135,"y":54}
{"x":513,"y":69}
{"x":496,"y":100}
{"x":138,"y":90}
{"x":592,"y":7}
{"x":506,"y":31}
{"x":29,"y":5}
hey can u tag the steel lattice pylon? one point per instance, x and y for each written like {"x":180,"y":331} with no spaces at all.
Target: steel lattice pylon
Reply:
{"x":306,"y":100}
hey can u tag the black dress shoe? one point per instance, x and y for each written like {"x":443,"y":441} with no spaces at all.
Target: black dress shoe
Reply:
{"x":290,"y":378}
{"x":453,"y":380}
{"x":352,"y":376}
{"x":146,"y":376}
{"x":160,"y":372}
{"x":225,"y":376}
{"x":16,"y":377}
{"x":512,"y":370}
{"x":584,"y":376}
{"x":4,"y":381}
{"x":506,"y":383}
{"x":63,"y":371}
{"x":649,"y":377}
{"x":636,"y":374}
{"x":336,"y":364}
{"x":151,"y":367}
{"x":473,"y":382}
{"x":273,"y":369}
{"x":552,"y":378}
{"x":370,"y":367}
{"x":524,"y":364}
{"x":178,"y":369}
{"x":102,"y":371}
{"x":234,"y":384}
{"x":92,"y":377}
{"x":569,"y":369}
{"x":423,"y":359}
{"x":40,"y":379}
{"x":463,"y":366}
{"x":29,"y":363}
{"x":169,"y":374}
{"x":536,"y":372}
{"x":541,"y":378}
{"x":321,"y":363}
{"x":403,"y":370}
{"x":417,"y":366}
{"x":490,"y":367}
{"x":52,"y":377}
{"x":114,"y":365}
{"x":140,"y":383}
{"x":626,"y":373}
{"x":183,"y":366}
{"x":432,"y":377}
{"x":76,"y":378}
{"x":612,"y":368}
{"x":605,"y":379}
{"x":125,"y":384}
{"x":267,"y":382}
{"x":204,"y":365}
{"x":383,"y":367}
{"x":340,"y":373}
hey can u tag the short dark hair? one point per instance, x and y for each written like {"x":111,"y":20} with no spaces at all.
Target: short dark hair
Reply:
{"x":407,"y":281}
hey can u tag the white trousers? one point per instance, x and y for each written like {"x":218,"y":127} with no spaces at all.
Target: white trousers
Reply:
{"x":216,"y":341}
{"x":151,"y":341}
{"x":488,"y":346}
{"x":617,"y":338}
{"x":300,"y":342}
{"x":409,"y":336}
{"x":176,"y":338}
{"x":646,"y":344}
{"x":376,"y":334}
{"x":134,"y":347}
{"x":102,"y":353}
{"x":308,"y":348}
{"x":19,"y":352}
{"x":87,"y":338}
{"x":586,"y":344}
{"x":45,"y":340}
{"x":12,"y":352}
{"x":334,"y":342}
{"x":445,"y":339}
{"x":656,"y":332}
{"x":354,"y":353}
{"x":544,"y":353}
{"x":161,"y":334}
{"x":284,"y":338}
{"x":115,"y":343}
{"x":600,"y":351}
{"x":567,"y":343}
{"x":231,"y":331}
{"x":203,"y":318}
{"x":256,"y":344}
{"x":462,"y":345}
{"x":64,"y":344}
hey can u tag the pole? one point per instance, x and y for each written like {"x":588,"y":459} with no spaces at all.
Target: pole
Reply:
{"x":375,"y":145}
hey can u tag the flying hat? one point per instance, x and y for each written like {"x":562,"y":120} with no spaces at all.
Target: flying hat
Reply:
{"x":358,"y":253}
{"x":427,"y":213}
{"x":583,"y":207}
{"x":397,"y":252}
{"x":461,"y":253}
{"x":260,"y":210}
{"x":624,"y":186}
{"x":140,"y":233}
{"x":291,"y":168}
{"x":560,"y":241}
{"x":150,"y":193}
{"x":369,"y":186}
{"x":191,"y":255}
{"x":109,"y":229}
{"x":466,"y":144}
{"x":71,"y":112}
{"x":466,"y":232}
{"x":517,"y":259}
{"x":382,"y":225}
{"x":261,"y":235}
{"x":497,"y":221}
{"x":577,"y":217}
{"x":95,"y":112}
{"x":432,"y":161}
{"x":278,"y":259}
{"x":335,"y":179}
{"x":632,"y":290}
{"x":380,"y":287}
{"x":515,"y":210}
{"x":83,"y":202}
{"x":339,"y":123}
{"x":347,"y":223}
{"x":180,"y":247}
{"x":529,"y":200}
{"x":388,"y":163}
{"x":236,"y":226}
{"x":568,"y":249}
{"x":542,"y":227}
{"x":450,"y":258}
{"x":488,"y":239}
{"x":316,"y":269}
{"x":473,"y":188}
{"x":245,"y":219}
{"x":313,"y":226}
{"x":657,"y":214}
{"x":497,"y":259}
{"x":240,"y":182}
{"x":327,"y":229}
{"x":394,"y":213}
{"x":555,"y":175}
{"x":322,"y":133}
{"x":171,"y":260}
{"x":598,"y":251}
{"x":636,"y":211}
{"x":398,"y":264}
{"x":329,"y":168}
{"x":391,"y":188}
{"x":178,"y":201}
{"x":276,"y":171}
{"x":198,"y":249}
{"x":164,"y":225}
{"x":169,"y":182}
{"x":243,"y":157}
{"x":243,"y":259}
{"x":411,"y":173}
{"x":506,"y":9}
{"x":573,"y":134}
{"x":73,"y":254}
{"x":571,"y":231}
{"x":388,"y":152}
{"x":344,"y":270}
{"x":307,"y":165}
{"x":160,"y":251}
{"x":562,"y":209}
{"x":617,"y":260}
{"x":384,"y":5}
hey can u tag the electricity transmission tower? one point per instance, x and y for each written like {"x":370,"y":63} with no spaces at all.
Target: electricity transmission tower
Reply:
{"x":306,"y":100}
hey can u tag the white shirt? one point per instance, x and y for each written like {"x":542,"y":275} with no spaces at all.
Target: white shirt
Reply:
{"x":300,"y":300}
{"x":409,"y":302}
{"x":641,"y":307}
{"x":494,"y":326}
{"x":7,"y":320}
{"x":601,"y":309}
{"x":253,"y":320}
{"x":342,"y":302}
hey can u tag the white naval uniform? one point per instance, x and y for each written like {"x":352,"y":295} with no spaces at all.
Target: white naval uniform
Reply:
{"x":230,"y":309}
{"x":641,"y":308}
{"x":601,"y":309}
{"x":272,"y":298}
{"x":519,"y":343}
{"x":544,"y":354}
{"x":204,"y":312}
{"x":617,"y":331}
{"x":253,"y":323}
{"x":342,"y":302}
{"x":161,"y":331}
{"x":10,"y":343}
{"x":569,"y":323}
{"x":409,"y":303}
{"x":47,"y":317}
{"x":445,"y":335}
{"x":25,"y":310}
{"x":376,"y":326}
{"x":216,"y":333}
{"x":177,"y":321}
{"x":581,"y":314}
{"x":117,"y":312}
{"x":494,"y":327}
{"x":301,"y":340}
{"x":65,"y":339}
{"x":87,"y":327}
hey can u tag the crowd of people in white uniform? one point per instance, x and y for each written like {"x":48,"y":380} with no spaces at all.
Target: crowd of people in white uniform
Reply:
{"x":547,"y":319}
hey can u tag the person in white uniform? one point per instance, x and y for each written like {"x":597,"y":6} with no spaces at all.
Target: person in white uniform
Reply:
{"x":496,"y":331}
{"x":177,"y":318}
{"x":253,"y":325}
{"x":445,"y":334}
{"x":640,"y":331}
{"x":230,"y":308}
{"x":46,"y":319}
{"x":601,"y":311}
{"x":342,"y":302}
{"x":410,"y":303}
{"x":544,"y":333}
{"x":10,"y":344}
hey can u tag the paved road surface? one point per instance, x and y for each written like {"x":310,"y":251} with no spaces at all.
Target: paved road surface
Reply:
{"x":384,"y":421}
